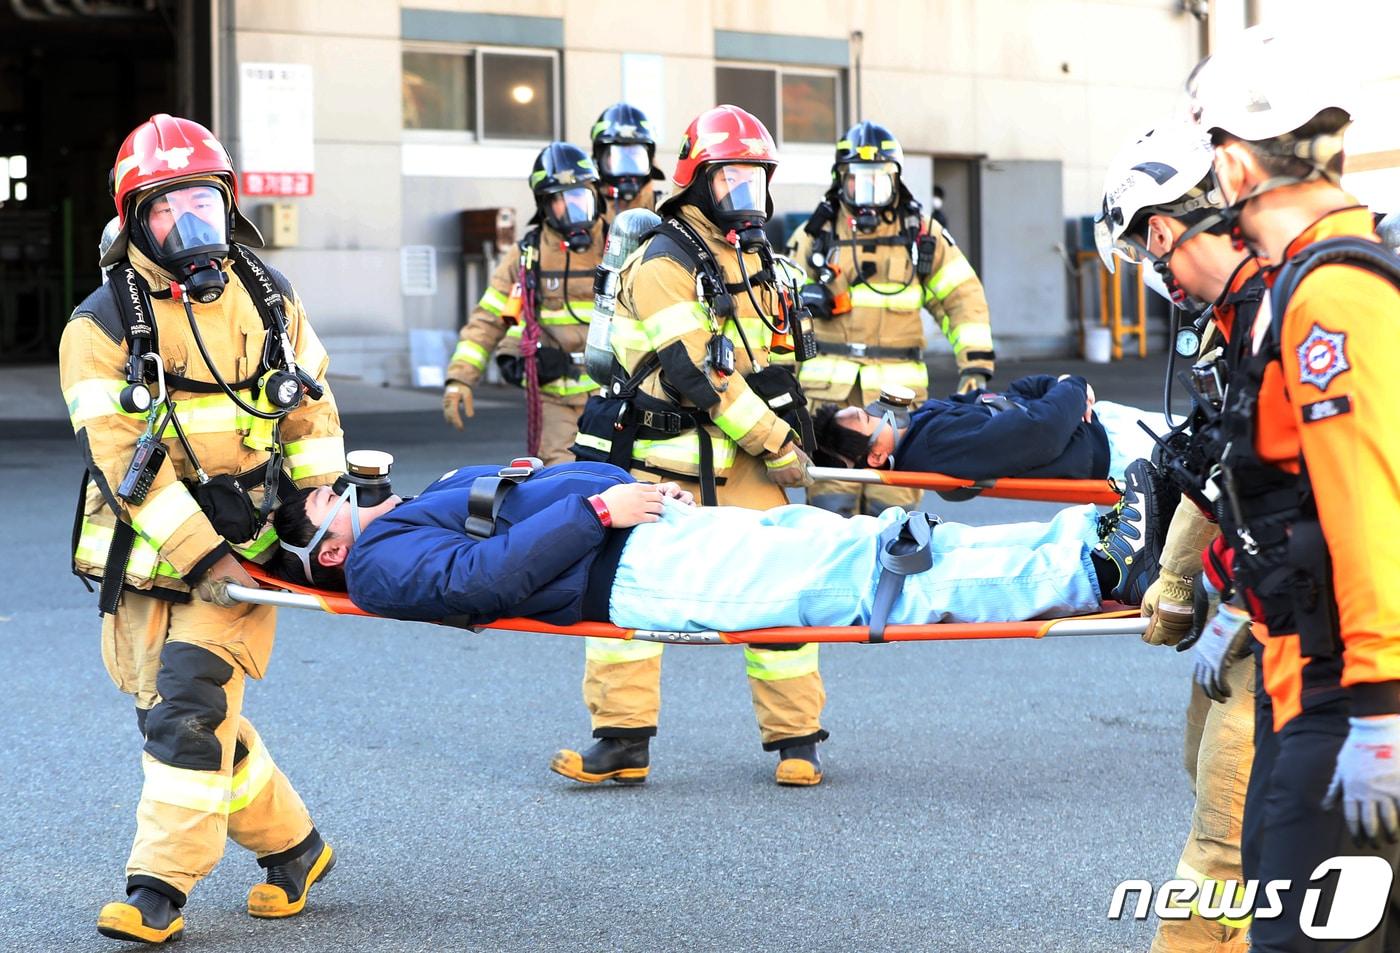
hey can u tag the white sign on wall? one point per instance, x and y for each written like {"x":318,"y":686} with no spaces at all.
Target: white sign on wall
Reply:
{"x":275,"y":129}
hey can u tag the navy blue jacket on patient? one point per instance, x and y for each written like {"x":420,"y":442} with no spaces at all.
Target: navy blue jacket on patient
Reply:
{"x":1037,"y":430}
{"x":549,"y":559}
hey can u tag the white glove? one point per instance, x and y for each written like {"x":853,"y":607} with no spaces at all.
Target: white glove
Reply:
{"x":1367,"y":779}
{"x":1223,"y":641}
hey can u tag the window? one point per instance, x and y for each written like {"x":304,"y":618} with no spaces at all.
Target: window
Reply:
{"x":483,"y":94}
{"x":797,"y":105}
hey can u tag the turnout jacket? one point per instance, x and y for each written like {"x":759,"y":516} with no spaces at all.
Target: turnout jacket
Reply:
{"x":175,"y":542}
{"x":417,"y":561}
{"x":565,"y":307}
{"x":877,"y":299}
{"x":1035,"y":428}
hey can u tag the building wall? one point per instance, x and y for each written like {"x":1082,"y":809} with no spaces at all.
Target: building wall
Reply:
{"x":1062,"y":80}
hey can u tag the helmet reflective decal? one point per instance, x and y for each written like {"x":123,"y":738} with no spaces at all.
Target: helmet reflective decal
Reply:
{"x":176,"y":158}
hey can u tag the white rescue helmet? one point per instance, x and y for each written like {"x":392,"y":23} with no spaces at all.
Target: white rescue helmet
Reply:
{"x":1167,"y":171}
{"x":1263,"y":85}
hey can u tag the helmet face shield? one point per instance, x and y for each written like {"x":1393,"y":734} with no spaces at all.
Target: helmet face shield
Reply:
{"x":186,"y":220}
{"x":571,"y":209}
{"x":625,"y":159}
{"x":740,"y":189}
{"x":1126,"y":247}
{"x":868,"y":184}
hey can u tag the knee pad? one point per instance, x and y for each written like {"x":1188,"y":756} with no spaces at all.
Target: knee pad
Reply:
{"x":180,"y":729}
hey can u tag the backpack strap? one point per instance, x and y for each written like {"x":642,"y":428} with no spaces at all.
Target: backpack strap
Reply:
{"x":1347,"y":249}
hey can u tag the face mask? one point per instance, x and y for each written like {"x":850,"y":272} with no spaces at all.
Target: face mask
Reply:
{"x":185,"y":230}
{"x":572,"y":213}
{"x":894,"y":408}
{"x":631,"y":159}
{"x":869,"y":184}
{"x":365,"y":483}
{"x":739,"y":192}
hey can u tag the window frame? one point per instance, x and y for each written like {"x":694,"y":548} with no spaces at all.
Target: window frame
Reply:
{"x":476,"y":136}
{"x":782,"y":69}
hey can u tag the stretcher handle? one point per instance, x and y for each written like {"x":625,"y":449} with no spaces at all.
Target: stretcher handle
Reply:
{"x":273,"y":597}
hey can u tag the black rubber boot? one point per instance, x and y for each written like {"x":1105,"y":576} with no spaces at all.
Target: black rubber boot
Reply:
{"x":624,"y":760}
{"x":147,"y":916}
{"x":799,"y":766}
{"x":289,"y":878}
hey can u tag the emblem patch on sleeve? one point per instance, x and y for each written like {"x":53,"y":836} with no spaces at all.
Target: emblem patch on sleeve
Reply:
{"x":1322,"y":356}
{"x":1326,"y":409}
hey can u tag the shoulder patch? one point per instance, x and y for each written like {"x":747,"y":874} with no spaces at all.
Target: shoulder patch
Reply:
{"x":1322,"y":356}
{"x":1326,"y":409}
{"x":103,"y":310}
{"x":662,"y":245}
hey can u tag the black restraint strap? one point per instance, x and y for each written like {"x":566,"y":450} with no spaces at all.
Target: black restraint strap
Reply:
{"x":488,"y":493}
{"x":904,"y":550}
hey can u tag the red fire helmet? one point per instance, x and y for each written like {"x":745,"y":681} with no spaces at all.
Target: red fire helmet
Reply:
{"x":724,"y":134}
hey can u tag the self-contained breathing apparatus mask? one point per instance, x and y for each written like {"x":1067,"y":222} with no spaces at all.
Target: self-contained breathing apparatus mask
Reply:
{"x":364,"y":484}
{"x":868,"y":190}
{"x":625,"y":168}
{"x":185,"y":230}
{"x":571,"y":212}
{"x":736,"y":199}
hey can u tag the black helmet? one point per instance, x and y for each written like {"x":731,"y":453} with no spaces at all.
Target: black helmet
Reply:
{"x":620,"y":135}
{"x":564,"y":181}
{"x":866,"y":173}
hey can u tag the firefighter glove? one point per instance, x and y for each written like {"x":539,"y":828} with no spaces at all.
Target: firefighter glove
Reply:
{"x":1169,"y":616}
{"x":1367,"y":779}
{"x":788,"y":467}
{"x":457,"y":404}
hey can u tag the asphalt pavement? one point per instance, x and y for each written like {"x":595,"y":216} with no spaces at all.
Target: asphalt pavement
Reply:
{"x":978,"y":796}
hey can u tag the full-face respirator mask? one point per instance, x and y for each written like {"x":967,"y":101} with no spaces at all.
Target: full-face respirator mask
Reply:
{"x":185,"y":230}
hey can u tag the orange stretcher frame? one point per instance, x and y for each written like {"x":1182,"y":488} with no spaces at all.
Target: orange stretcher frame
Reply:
{"x":1114,"y":620}
{"x":957,"y":489}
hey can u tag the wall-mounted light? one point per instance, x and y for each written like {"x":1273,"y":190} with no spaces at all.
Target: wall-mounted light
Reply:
{"x":522,"y":94}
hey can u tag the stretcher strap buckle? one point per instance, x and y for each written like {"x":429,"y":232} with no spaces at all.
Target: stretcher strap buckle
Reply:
{"x":488,"y":493}
{"x":905,"y":549}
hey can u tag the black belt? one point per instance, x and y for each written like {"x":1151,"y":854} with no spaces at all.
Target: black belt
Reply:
{"x":862,"y":350}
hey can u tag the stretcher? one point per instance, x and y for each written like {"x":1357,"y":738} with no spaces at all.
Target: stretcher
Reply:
{"x":1114,"y":620}
{"x":957,"y":489}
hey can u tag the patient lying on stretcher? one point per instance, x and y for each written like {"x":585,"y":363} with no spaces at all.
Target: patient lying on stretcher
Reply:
{"x":584,"y":542}
{"x":1037,"y":427}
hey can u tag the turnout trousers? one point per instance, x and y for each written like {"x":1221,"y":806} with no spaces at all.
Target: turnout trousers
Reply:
{"x":622,"y":680}
{"x":1219,"y":752}
{"x":208,"y":775}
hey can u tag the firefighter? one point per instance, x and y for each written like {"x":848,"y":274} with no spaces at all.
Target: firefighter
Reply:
{"x":1161,"y":210}
{"x":540,"y":302}
{"x":875,"y":261}
{"x":700,"y":306}
{"x":193,"y":378}
{"x":1308,"y":475}
{"x":624,"y":152}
